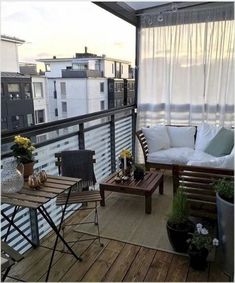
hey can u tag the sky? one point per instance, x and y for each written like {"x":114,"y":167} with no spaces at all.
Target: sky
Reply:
{"x":62,"y":28}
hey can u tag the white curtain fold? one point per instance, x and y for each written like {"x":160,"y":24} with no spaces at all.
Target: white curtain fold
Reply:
{"x":186,"y":70}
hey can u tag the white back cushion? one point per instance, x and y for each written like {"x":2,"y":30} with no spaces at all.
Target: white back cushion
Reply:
{"x":157,"y":138}
{"x":181,"y":136}
{"x":205,"y":133}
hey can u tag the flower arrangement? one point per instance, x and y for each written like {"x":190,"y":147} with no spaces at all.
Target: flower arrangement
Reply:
{"x":23,"y":149}
{"x":126,"y":161}
{"x":201,"y":239}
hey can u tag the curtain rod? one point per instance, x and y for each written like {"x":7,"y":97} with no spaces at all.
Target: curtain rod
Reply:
{"x":182,"y":9}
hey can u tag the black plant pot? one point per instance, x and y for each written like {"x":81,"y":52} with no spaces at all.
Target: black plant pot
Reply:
{"x":138,"y":174}
{"x":198,"y":258}
{"x":178,"y":236}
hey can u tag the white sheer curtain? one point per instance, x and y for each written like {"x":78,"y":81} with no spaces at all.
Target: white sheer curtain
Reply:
{"x":186,"y":68}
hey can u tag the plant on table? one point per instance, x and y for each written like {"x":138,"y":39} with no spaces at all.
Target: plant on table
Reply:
{"x":126,"y":162}
{"x":23,"y":149}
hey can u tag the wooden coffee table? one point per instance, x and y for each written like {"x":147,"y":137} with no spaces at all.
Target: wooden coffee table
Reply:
{"x":145,"y":187}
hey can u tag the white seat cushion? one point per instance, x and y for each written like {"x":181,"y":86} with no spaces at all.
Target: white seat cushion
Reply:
{"x":181,"y":136}
{"x":205,"y":133}
{"x":174,"y":155}
{"x":223,"y":162}
{"x":200,"y":156}
{"x":157,"y":138}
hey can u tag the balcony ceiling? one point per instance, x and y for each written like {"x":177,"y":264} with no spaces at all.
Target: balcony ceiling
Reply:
{"x":129,"y":11}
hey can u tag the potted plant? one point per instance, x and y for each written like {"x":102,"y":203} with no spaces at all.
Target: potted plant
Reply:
{"x":23,"y":151}
{"x":138,"y":172}
{"x":200,"y":243}
{"x":225,"y":217}
{"x":178,"y":225}
{"x":126,"y":161}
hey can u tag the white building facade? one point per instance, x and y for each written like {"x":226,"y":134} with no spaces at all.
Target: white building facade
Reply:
{"x":79,"y":85}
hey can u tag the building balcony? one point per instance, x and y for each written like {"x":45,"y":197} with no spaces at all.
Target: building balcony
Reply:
{"x":81,"y":74}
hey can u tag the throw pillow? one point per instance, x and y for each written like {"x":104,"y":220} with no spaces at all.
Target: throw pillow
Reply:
{"x":205,"y":133}
{"x":157,"y":138}
{"x":181,"y":136}
{"x":221,"y":144}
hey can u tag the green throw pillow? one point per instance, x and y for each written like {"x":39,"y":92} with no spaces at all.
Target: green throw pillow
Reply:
{"x":221,"y":144}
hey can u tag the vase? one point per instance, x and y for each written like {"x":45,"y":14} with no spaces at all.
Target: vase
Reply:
{"x":28,"y":170}
{"x":11,"y":178}
{"x":198,"y":258}
{"x":225,"y":218}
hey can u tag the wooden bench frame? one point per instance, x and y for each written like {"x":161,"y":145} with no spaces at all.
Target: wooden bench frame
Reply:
{"x":198,"y":185}
{"x":144,"y":146}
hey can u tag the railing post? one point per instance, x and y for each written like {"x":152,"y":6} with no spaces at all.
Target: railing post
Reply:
{"x":81,"y":139}
{"x":112,"y":141}
{"x":34,"y":226}
{"x":134,"y":117}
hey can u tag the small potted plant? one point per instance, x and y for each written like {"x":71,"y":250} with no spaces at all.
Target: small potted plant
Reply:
{"x":200,"y":243}
{"x":225,"y":217}
{"x":178,"y":225}
{"x":23,"y":151}
{"x":138,"y":172}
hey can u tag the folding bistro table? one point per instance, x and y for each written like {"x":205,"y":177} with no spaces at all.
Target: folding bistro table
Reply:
{"x":34,"y":199}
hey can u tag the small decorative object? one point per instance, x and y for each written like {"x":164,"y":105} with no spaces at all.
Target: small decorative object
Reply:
{"x":126,"y":162}
{"x":118,"y":177}
{"x":23,"y":151}
{"x":11,"y":178}
{"x":34,"y":181}
{"x":225,"y":218}
{"x":138,"y":172}
{"x":42,"y":176}
{"x":178,"y":225}
{"x":200,"y":244}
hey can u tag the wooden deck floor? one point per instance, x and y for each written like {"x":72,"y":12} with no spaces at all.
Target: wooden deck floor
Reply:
{"x":115,"y":261}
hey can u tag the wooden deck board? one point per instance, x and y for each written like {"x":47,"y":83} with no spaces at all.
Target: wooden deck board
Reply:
{"x":140,"y":265}
{"x":115,"y":262}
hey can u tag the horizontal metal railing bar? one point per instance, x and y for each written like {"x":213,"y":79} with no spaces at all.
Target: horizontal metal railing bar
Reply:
{"x":63,"y":123}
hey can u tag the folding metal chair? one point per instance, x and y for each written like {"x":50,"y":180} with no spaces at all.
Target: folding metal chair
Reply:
{"x":82,"y":195}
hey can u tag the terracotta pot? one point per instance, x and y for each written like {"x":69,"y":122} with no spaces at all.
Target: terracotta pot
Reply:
{"x":28,"y":169}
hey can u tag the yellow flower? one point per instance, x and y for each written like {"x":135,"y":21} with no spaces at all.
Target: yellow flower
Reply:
{"x":125,"y":153}
{"x":22,"y":141}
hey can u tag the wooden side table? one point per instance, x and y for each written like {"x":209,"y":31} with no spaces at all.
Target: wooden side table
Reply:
{"x":145,"y":187}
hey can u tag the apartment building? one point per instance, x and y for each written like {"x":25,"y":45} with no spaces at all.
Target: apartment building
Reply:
{"x":80,"y":85}
{"x":17,"y":109}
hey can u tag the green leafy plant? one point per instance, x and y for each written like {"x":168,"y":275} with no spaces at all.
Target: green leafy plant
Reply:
{"x":23,"y":149}
{"x":180,"y":212}
{"x":225,"y":188}
{"x":201,"y":239}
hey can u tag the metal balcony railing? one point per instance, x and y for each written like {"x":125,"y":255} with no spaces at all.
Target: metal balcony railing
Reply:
{"x":107,"y":132}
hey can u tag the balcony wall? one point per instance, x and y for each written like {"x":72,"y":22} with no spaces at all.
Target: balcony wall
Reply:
{"x":106,"y":132}
{"x":81,"y":74}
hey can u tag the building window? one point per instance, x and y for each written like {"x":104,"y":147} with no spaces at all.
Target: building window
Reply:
{"x":63,"y":88}
{"x":55,"y":92}
{"x":17,"y":121}
{"x":41,"y":138}
{"x":64,"y":107}
{"x":48,"y":67}
{"x":101,"y":87}
{"x":56,"y":112}
{"x":29,"y":119}
{"x":14,"y":91}
{"x":80,"y":66}
{"x":38,"y":90}
{"x":102,"y":105}
{"x":39,"y":116}
{"x":112,"y":68}
{"x":27,"y":91}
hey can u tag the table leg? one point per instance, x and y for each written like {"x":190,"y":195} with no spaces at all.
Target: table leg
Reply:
{"x":161,"y":185}
{"x":102,"y":194}
{"x":148,"y":204}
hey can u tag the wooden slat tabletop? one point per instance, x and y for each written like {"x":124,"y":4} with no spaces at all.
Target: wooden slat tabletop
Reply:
{"x":147,"y":184}
{"x":34,"y":198}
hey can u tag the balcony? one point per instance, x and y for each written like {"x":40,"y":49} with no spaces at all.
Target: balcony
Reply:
{"x":163,"y":98}
{"x":81,"y":74}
